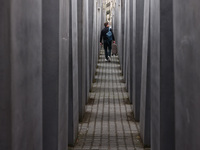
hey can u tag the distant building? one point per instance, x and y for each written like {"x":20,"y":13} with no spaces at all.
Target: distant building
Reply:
{"x":109,"y":6}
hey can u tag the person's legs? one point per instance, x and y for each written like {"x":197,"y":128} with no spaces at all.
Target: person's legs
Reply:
{"x":105,"y":48}
{"x":109,"y":47}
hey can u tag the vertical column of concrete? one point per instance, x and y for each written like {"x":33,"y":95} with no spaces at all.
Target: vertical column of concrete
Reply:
{"x":116,"y":19}
{"x":94,"y":41}
{"x":123,"y":33}
{"x":55,"y":69}
{"x":187,"y":73}
{"x":162,"y":75}
{"x":145,"y":109}
{"x":54,"y":74}
{"x":128,"y":79}
{"x":63,"y":75}
{"x":73,"y":76}
{"x":85,"y":41}
{"x":155,"y":67}
{"x":26,"y":74}
{"x":90,"y":30}
{"x":119,"y":33}
{"x":138,"y":57}
{"x":125,"y":40}
{"x":86,"y":54}
{"x":81,"y":50}
{"x":132,"y":49}
{"x":98,"y":30}
{"x":99,"y":9}
{"x":5,"y":76}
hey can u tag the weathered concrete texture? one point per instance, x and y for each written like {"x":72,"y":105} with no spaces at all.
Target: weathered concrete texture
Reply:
{"x":99,"y":23}
{"x":85,"y":55}
{"x":116,"y":19}
{"x":125,"y":41}
{"x":80,"y":57}
{"x":119,"y":29}
{"x":138,"y":57}
{"x":127,"y":50}
{"x":187,"y":73}
{"x":73,"y":76}
{"x":5,"y":76}
{"x":121,"y":54}
{"x":63,"y":75}
{"x":94,"y":42}
{"x":26,"y":74}
{"x":132,"y":50}
{"x":55,"y":68}
{"x":162,"y":75}
{"x":145,"y":110}
{"x":90,"y":52}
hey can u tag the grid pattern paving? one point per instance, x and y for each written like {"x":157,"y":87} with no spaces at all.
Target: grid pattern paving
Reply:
{"x":108,"y":122}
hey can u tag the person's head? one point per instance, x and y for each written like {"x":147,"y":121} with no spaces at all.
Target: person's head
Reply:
{"x":106,"y":24}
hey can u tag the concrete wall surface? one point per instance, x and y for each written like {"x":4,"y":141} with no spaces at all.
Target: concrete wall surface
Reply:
{"x":132,"y":64}
{"x":162,"y":75}
{"x":63,"y":75}
{"x":26,"y":74}
{"x":73,"y":76}
{"x":80,"y":16}
{"x":145,"y":109}
{"x":55,"y":70}
{"x":187,"y":73}
{"x":5,"y":76}
{"x":138,"y":57}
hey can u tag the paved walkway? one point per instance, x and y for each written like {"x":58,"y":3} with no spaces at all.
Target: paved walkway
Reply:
{"x":108,"y":122}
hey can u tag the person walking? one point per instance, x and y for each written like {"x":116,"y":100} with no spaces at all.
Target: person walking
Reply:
{"x":107,"y":36}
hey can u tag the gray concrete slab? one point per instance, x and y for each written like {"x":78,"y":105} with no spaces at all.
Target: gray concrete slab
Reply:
{"x":138,"y":57}
{"x":94,"y":42}
{"x":123,"y":33}
{"x":87,"y":50}
{"x":145,"y":109}
{"x":5,"y":76}
{"x":73,"y":76}
{"x":125,"y":41}
{"x":90,"y":30}
{"x":116,"y":21}
{"x":187,"y":74}
{"x":26,"y":74}
{"x":162,"y":76}
{"x":63,"y":75}
{"x":127,"y":50}
{"x":55,"y":69}
{"x":99,"y":24}
{"x":81,"y":50}
{"x":132,"y":50}
{"x":50,"y":38}
{"x":119,"y":33}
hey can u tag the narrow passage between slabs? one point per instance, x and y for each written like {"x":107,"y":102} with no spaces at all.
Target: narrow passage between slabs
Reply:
{"x":108,"y":122}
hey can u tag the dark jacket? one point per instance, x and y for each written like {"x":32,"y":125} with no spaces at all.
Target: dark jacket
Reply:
{"x":103,"y":34}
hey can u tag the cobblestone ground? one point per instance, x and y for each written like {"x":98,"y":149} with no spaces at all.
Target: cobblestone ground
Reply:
{"x":108,"y":122}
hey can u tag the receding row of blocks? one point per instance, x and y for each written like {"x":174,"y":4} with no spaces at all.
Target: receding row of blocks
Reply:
{"x":159,"y":53}
{"x":48,"y":56}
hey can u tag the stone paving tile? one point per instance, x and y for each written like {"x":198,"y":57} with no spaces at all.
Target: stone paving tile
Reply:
{"x":108,"y":123}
